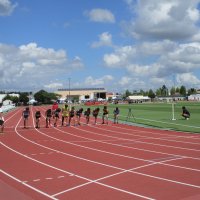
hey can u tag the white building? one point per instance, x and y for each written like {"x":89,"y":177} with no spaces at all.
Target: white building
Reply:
{"x":82,"y":94}
{"x":194,"y":97}
{"x":138,"y":99}
{"x":2,"y":96}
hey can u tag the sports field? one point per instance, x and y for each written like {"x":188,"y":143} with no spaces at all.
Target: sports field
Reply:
{"x":96,"y":161}
{"x":160,"y":115}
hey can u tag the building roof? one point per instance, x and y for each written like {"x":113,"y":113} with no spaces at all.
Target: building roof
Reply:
{"x":138,"y":97}
{"x":80,"y":89}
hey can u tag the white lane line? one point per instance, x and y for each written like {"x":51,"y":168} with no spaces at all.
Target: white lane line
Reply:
{"x":161,"y":145}
{"x":106,"y":177}
{"x":42,"y":163}
{"x":165,"y":179}
{"x":153,"y":162}
{"x":49,"y":178}
{"x":81,"y":177}
{"x":161,"y":134}
{"x":27,"y":185}
{"x":36,"y":180}
{"x":61,"y":176}
{"x":120,"y":155}
{"x":157,"y":152}
{"x":197,"y":127}
{"x":143,"y":137}
{"x":122,"y":172}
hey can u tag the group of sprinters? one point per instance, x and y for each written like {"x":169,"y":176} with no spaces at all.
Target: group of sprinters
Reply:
{"x":69,"y":115}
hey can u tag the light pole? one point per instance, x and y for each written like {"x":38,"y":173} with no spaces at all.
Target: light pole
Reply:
{"x":173,"y":116}
{"x":69,"y":91}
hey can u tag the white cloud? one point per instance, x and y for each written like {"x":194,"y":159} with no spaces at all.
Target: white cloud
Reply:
{"x":156,"y":48}
{"x":120,"y":57}
{"x":101,"y":15}
{"x":6,"y":7}
{"x":105,"y":39}
{"x":131,"y":83}
{"x":183,"y":59}
{"x":187,"y":79}
{"x":29,"y":65}
{"x":143,"y":70}
{"x":90,"y":81}
{"x":164,"y":58}
{"x":164,"y":19}
{"x":54,"y":86}
{"x":76,"y":63}
{"x":111,"y":60}
{"x":124,"y":81}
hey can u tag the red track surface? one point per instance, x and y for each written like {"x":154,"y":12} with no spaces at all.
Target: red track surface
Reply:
{"x":96,"y":162}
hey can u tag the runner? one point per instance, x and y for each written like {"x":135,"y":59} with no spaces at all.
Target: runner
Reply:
{"x":78,"y":115}
{"x":25,"y":115}
{"x":65,"y":114}
{"x":48,"y":115}
{"x":105,"y":115}
{"x":37,"y":118}
{"x":1,"y":119}
{"x":95,"y":114}
{"x":54,"y":108}
{"x":56,"y":116}
{"x":87,"y":115}
{"x":72,"y":116}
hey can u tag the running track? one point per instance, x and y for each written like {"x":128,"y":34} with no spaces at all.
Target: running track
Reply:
{"x":96,"y":162}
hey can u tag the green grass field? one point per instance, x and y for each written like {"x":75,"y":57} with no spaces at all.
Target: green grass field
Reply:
{"x":160,"y":115}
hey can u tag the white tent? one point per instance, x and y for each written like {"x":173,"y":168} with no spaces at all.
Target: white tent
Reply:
{"x":32,"y":101}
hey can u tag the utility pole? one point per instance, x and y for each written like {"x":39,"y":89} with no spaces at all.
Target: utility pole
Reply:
{"x":69,"y":90}
{"x":173,"y":103}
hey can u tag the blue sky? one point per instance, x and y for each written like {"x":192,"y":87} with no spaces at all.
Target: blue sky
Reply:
{"x":116,"y":44}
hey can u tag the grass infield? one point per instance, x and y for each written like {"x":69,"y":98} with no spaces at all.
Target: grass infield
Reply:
{"x":158,"y":115}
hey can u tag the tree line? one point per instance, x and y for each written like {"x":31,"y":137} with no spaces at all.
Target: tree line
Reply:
{"x":163,"y":91}
{"x":41,"y":96}
{"x":45,"y":97}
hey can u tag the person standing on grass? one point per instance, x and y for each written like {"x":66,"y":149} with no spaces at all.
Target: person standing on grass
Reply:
{"x":95,"y":114}
{"x":1,"y":119}
{"x":25,"y":114}
{"x":37,"y":118}
{"x":65,"y":114}
{"x":105,"y":115}
{"x":48,"y":115}
{"x":185,"y":113}
{"x":116,"y":115}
